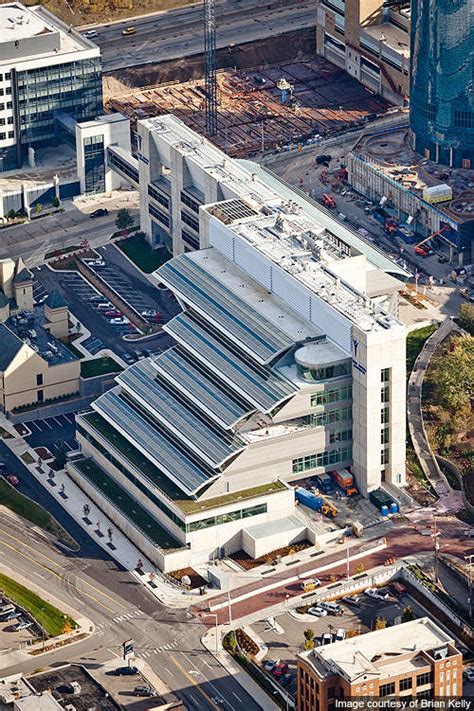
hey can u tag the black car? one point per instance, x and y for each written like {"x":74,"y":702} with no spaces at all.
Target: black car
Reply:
{"x":100,"y":212}
{"x":126,"y":671}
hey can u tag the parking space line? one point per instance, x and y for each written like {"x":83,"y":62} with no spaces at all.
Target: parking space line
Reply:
{"x":47,"y":424}
{"x":35,"y":424}
{"x":66,"y":417}
{"x":59,"y":422}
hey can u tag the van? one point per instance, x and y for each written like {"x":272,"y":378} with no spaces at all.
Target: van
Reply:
{"x":340,"y":635}
{"x":332,"y":607}
{"x":90,"y":34}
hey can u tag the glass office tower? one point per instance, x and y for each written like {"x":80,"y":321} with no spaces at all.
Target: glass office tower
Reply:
{"x":442,"y":76}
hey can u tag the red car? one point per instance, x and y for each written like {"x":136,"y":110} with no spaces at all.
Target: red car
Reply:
{"x":421,"y":251}
{"x":12,"y":479}
{"x":113,"y":314}
{"x":280,"y":669}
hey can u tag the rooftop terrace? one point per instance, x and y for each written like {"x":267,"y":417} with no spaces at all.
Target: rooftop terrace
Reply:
{"x":30,"y":328}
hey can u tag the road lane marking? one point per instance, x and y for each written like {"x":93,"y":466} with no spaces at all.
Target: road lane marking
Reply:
{"x":53,"y":572}
{"x":216,"y":691}
{"x":237,"y":697}
{"x":194,"y":683}
{"x":31,"y":548}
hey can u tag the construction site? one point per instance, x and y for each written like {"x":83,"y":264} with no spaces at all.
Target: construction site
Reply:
{"x":417,"y":197}
{"x":265,"y":108}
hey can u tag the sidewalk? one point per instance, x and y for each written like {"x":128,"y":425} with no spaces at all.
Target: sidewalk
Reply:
{"x":73,"y":500}
{"x":208,"y":641}
{"x":449,"y":500}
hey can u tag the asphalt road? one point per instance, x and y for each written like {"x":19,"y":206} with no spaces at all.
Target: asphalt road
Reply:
{"x":179,"y":33}
{"x":94,"y":585}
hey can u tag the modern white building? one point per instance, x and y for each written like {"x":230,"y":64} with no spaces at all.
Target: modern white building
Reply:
{"x":46,"y":69}
{"x":288,"y":362}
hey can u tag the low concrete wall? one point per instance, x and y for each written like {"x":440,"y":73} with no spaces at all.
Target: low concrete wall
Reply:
{"x":442,"y":462}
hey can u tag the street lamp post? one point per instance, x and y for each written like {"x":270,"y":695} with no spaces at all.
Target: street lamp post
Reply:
{"x":214,"y":615}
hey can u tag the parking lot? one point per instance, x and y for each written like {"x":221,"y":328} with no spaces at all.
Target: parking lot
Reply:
{"x":10,"y":638}
{"x":284,"y":636}
{"x":131,"y":286}
{"x":52,"y":433}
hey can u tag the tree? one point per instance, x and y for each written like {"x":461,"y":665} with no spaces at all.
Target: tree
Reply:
{"x":380,"y":623}
{"x":466,"y":317}
{"x":407,"y":614}
{"x":124,"y":220}
{"x":11,"y":215}
{"x":360,"y":568}
{"x":308,"y":638}
{"x":55,"y":202}
{"x":38,"y":208}
{"x":454,"y":374}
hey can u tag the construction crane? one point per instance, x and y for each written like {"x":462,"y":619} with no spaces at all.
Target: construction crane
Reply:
{"x":436,"y":234}
{"x":211,"y":66}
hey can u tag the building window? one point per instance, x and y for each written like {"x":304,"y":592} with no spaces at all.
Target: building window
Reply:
{"x":94,"y":164}
{"x":8,"y":76}
{"x":406,"y":684}
{"x":8,"y":90}
{"x":160,"y":197}
{"x":10,"y":119}
{"x":384,"y":415}
{"x":385,"y":394}
{"x":384,"y":456}
{"x":330,"y":416}
{"x":39,"y":379}
{"x":189,"y":239}
{"x":189,"y":202}
{"x":331,"y":395}
{"x":385,"y":375}
{"x":9,"y":104}
{"x":40,"y":395}
{"x":3,"y":136}
{"x":326,"y":373}
{"x":321,"y":459}
{"x":190,"y":221}
{"x":387,"y":689}
{"x":11,"y":134}
{"x":423,"y":679}
{"x":159,"y":215}
{"x":122,"y":165}
{"x":340,"y":436}
{"x":2,"y":122}
{"x":384,"y":436}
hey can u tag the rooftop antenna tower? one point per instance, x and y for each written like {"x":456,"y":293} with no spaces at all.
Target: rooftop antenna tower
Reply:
{"x":211,"y":77}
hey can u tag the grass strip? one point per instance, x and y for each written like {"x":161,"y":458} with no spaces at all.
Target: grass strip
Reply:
{"x":52,"y":620}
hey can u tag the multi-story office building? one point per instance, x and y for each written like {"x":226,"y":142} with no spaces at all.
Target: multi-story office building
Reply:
{"x":370,"y":40}
{"x":442,"y":58}
{"x":411,"y":660}
{"x":285,"y":363}
{"x":46,"y":69}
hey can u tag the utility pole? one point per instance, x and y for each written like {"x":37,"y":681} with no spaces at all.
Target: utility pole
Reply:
{"x":435,"y":536}
{"x":211,"y":67}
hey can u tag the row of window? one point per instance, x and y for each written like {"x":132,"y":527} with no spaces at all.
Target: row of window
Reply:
{"x":189,"y":239}
{"x":321,"y":459}
{"x":189,"y":202}
{"x":405,"y":684}
{"x":159,"y":215}
{"x":320,"y":419}
{"x":8,"y":105}
{"x":190,"y":221}
{"x":340,"y":436}
{"x":123,"y":166}
{"x":159,"y":196}
{"x":9,"y":121}
{"x":3,"y":135}
{"x":325,"y":373}
{"x":332,"y":395}
{"x":247,"y":512}
{"x":5,"y":77}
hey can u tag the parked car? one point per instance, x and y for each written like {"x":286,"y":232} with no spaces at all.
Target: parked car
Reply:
{"x":144,"y":691}
{"x":149,"y":312}
{"x":147,"y":352}
{"x":22,"y":625}
{"x":340,"y":635}
{"x":100,"y":212}
{"x":286,"y":679}
{"x":469,"y":532}
{"x":442,"y":259}
{"x":376,"y":594}
{"x":119,"y":321}
{"x":97,"y":299}
{"x":270,"y":664}
{"x":128,"y":358}
{"x":11,"y":615}
{"x":352,"y":600}
{"x":311,"y":584}
{"x":6,"y":607}
{"x":326,"y":639}
{"x":280,"y":669}
{"x":317,"y":611}
{"x":12,"y":479}
{"x":331,"y":607}
{"x":126,"y":671}
{"x":469,"y":674}
{"x":105,"y":306}
{"x":113,"y":314}
{"x":41,"y":299}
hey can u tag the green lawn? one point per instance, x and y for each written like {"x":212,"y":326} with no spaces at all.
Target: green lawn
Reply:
{"x":415,"y":342}
{"x":53,"y":621}
{"x":71,"y":347}
{"x":140,"y":252}
{"x":99,"y":366}
{"x":31,"y":511}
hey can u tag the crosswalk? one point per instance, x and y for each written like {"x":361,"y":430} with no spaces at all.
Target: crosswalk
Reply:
{"x":145,"y":653}
{"x":140,"y":651}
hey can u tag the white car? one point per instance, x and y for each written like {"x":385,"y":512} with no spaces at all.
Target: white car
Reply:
{"x":149,"y":312}
{"x":376,"y":594}
{"x":317,"y":611}
{"x":469,"y":674}
{"x":23,"y":625}
{"x":310,"y":584}
{"x":119,"y":321}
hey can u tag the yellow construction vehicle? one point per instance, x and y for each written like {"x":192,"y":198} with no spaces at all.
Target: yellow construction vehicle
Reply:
{"x":328,"y":509}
